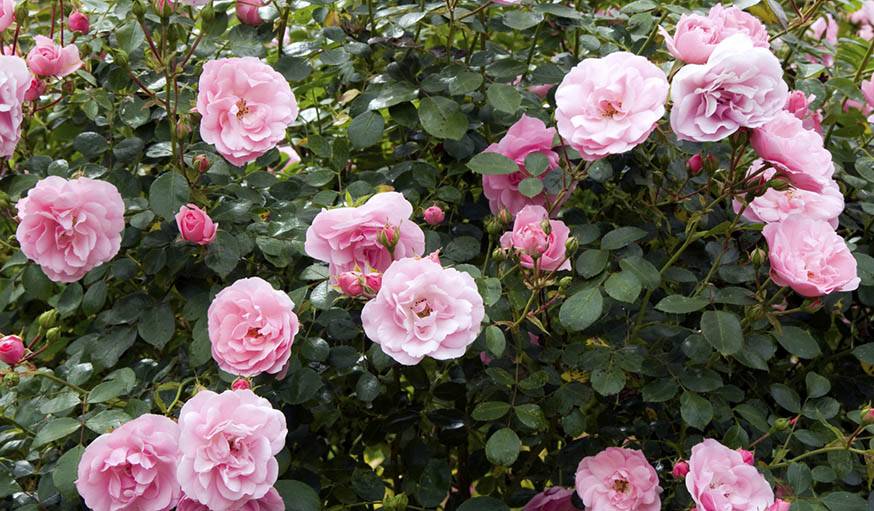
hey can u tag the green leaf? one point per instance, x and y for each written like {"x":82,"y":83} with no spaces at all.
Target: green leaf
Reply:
{"x":844,"y":501}
{"x":659,"y":391}
{"x":695,"y":410}
{"x":677,"y":304}
{"x":55,"y":430}
{"x":70,"y":299}
{"x":865,"y":353}
{"x":368,"y":387}
{"x":522,"y":20}
{"x":442,"y":118}
{"x":723,"y":331}
{"x":608,"y":381}
{"x":157,"y":325}
{"x":488,"y":163}
{"x":799,"y":342}
{"x":465,"y":82}
{"x":531,"y":415}
{"x":367,"y":485}
{"x":294,"y":69}
{"x":495,"y":341}
{"x":817,"y":385}
{"x":65,"y":473}
{"x":168,"y":193}
{"x":786,"y":397}
{"x":623,"y":286}
{"x":536,"y":163}
{"x":107,"y":420}
{"x":503,"y":447}
{"x":646,"y":273}
{"x":581,"y":310}
{"x":223,"y":254}
{"x":504,"y":98}
{"x":621,"y":237}
{"x":490,"y":410}
{"x":298,"y":496}
{"x":366,"y":129}
{"x":531,"y":186}
{"x":591,"y":262}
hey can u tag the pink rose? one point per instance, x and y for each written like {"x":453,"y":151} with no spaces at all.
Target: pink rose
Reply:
{"x":864,"y":17}
{"x":251,"y":328}
{"x":867,"y":88}
{"x":748,"y":456}
{"x":611,"y":104}
{"x":35,"y":90}
{"x":349,"y":238}
{"x":433,"y":215}
{"x":247,"y":12}
{"x":824,"y":29}
{"x":350,"y":284}
{"x":618,"y":479}
{"x":134,"y":467}
{"x":681,"y":468}
{"x":694,"y":39}
{"x":11,"y":349}
{"x":241,"y":384}
{"x":799,"y":105}
{"x":552,"y":499}
{"x":695,"y":164}
{"x":78,"y":22}
{"x":720,"y":480}
{"x":526,"y":136}
{"x":292,"y":159}
{"x":49,"y":59}
{"x":532,"y":242}
{"x":542,"y":90}
{"x":810,"y":257}
{"x":70,"y":227}
{"x":735,"y":21}
{"x":800,"y":153}
{"x":14,"y":83}
{"x":227,"y":444}
{"x":780,"y":505}
{"x":7,"y":13}
{"x":246,"y":107}
{"x":739,"y":86}
{"x":423,"y":309}
{"x":195,"y":225}
{"x":271,"y":501}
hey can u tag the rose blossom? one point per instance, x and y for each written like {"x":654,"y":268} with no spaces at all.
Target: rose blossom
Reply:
{"x":611,"y":104}
{"x":271,"y":501}
{"x":7,"y":13}
{"x":292,"y":159}
{"x":867,"y":88}
{"x":349,"y":283}
{"x":618,"y":479}
{"x":552,"y":499}
{"x":195,"y":225}
{"x":825,"y":29}
{"x":810,"y":257}
{"x":735,"y":21}
{"x":530,"y":240}
{"x":798,"y":104}
{"x":69,"y":227}
{"x":739,"y":86}
{"x":526,"y":136}
{"x":78,"y":22}
{"x":694,"y":39}
{"x":247,"y":12}
{"x":133,"y":467}
{"x":348,"y":238}
{"x":227,"y":444}
{"x":433,"y":215}
{"x":864,"y":17}
{"x":35,"y":90}
{"x":780,"y":505}
{"x":720,"y":480}
{"x":681,"y":468}
{"x":246,"y":107}
{"x":251,"y":327}
{"x":801,"y":154}
{"x":14,"y":83}
{"x":49,"y":59}
{"x":11,"y":349}
{"x":423,"y":309}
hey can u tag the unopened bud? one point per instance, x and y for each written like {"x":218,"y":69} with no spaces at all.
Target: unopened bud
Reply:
{"x":494,"y":226}
{"x":201,"y":163}
{"x":78,"y":22}
{"x":21,"y":12}
{"x":681,"y":468}
{"x":11,"y":379}
{"x":748,"y":456}
{"x":241,"y":384}
{"x":53,"y":335}
{"x":564,"y":282}
{"x":433,"y":215}
{"x":499,"y":254}
{"x":47,"y":319}
{"x":504,"y":216}
{"x":695,"y":164}
{"x":120,"y":57}
{"x":349,"y":283}
{"x":867,"y":415}
{"x":11,"y":349}
{"x":758,"y":256}
{"x":812,"y":305}
{"x":138,"y":9}
{"x":388,"y":237}
{"x":373,"y":282}
{"x":781,"y":424}
{"x":571,"y":245}
{"x":182,"y":128}
{"x":208,"y":12}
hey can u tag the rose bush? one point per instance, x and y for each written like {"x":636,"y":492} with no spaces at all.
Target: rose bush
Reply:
{"x":519,"y":254}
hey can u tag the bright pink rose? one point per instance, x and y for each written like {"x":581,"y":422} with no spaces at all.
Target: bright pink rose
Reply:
{"x":160,"y":5}
{"x":349,"y":238}
{"x":618,"y":479}
{"x":681,"y":468}
{"x":241,"y":384}
{"x":799,"y":105}
{"x":372,"y":283}
{"x":251,"y":327}
{"x":134,"y":467}
{"x":720,"y":480}
{"x":526,"y":136}
{"x":552,"y":499}
{"x":694,"y":39}
{"x":423,"y":309}
{"x":780,"y":505}
{"x":11,"y":349}
{"x":810,"y":257}
{"x":695,"y":164}
{"x":433,"y":215}
{"x":14,"y":83}
{"x":35,"y":90}
{"x":227,"y":444}
{"x":350,"y":284}
{"x":739,"y":86}
{"x":531,"y":241}
{"x":78,"y":22}
{"x":70,"y":227}
{"x":247,"y":12}
{"x":195,"y":225}
{"x":49,"y":59}
{"x":801,"y":154}
{"x":271,"y":501}
{"x":7,"y":13}
{"x":735,"y":21}
{"x":748,"y":456}
{"x":246,"y":107}
{"x":611,"y":104}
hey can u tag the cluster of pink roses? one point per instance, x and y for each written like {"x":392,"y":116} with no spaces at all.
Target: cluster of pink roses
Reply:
{"x":220,"y":456}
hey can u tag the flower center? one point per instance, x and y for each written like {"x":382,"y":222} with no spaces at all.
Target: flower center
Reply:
{"x":421,"y":308}
{"x":242,"y":108}
{"x":609,"y":108}
{"x":620,"y":485}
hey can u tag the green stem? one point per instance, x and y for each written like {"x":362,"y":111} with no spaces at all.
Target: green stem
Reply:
{"x":59,"y":381}
{"x":822,"y":450}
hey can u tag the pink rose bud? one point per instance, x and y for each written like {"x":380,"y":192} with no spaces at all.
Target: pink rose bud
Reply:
{"x":11,"y":349}
{"x":793,"y":421}
{"x":388,"y":237}
{"x":49,"y":59}
{"x":350,"y":283}
{"x":529,"y":239}
{"x":247,"y":12}
{"x":680,"y":470}
{"x":195,"y":225}
{"x":868,"y":416}
{"x":748,"y":457}
{"x":485,"y":358}
{"x":78,"y":22}
{"x":201,"y":163}
{"x":373,"y":281}
{"x":695,"y":164}
{"x":434,"y":256}
{"x":36,"y":89}
{"x":779,"y":505}
{"x":241,"y":384}
{"x":160,"y":5}
{"x":434,"y":215}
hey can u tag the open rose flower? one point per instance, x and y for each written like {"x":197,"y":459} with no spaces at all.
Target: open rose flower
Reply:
{"x":366,"y":238}
{"x":195,"y":225}
{"x":14,"y":84}
{"x":69,"y":227}
{"x":227,"y":444}
{"x":618,"y":479}
{"x":720,"y":480}
{"x":733,"y":21}
{"x":810,"y":257}
{"x":533,"y":243}
{"x":526,"y":136}
{"x":696,"y":36}
{"x":246,"y":107}
{"x":7,"y":13}
{"x":423,"y":309}
{"x":800,"y":153}
{"x":133,"y":467}
{"x":271,"y":501}
{"x":251,"y":328}
{"x":611,"y":104}
{"x":552,"y":499}
{"x":49,"y":59}
{"x":740,"y":86}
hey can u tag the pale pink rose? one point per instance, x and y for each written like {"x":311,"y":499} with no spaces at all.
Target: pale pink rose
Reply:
{"x":780,"y":505}
{"x":227,"y":444}
{"x":247,"y":12}
{"x":195,"y":225}
{"x":246,"y":107}
{"x":618,"y":479}
{"x":552,"y":499}
{"x":349,"y":239}
{"x":11,"y":349}
{"x":433,"y":215}
{"x":775,"y":205}
{"x":867,"y":88}
{"x":271,"y":501}
{"x":78,"y":22}
{"x":866,"y":32}
{"x":541,"y":90}
{"x":798,"y":104}
{"x":49,"y":59}
{"x":292,"y":159}
{"x":70,"y":227}
{"x":739,"y":86}
{"x":720,"y":480}
{"x":532,"y":242}
{"x":611,"y":104}
{"x":7,"y":13}
{"x":864,"y":17}
{"x":14,"y":83}
{"x":251,"y":327}
{"x":810,"y":257}
{"x":824,"y":29}
{"x":735,"y":21}
{"x":35,"y":90}
{"x":800,"y":153}
{"x":694,"y":39}
{"x":133,"y":467}
{"x":526,"y":136}
{"x":423,"y":309}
